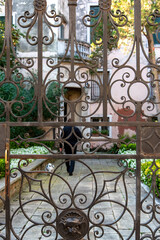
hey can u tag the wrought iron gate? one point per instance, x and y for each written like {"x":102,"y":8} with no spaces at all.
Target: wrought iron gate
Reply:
{"x":83,"y":89}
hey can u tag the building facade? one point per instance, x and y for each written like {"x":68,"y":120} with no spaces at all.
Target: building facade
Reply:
{"x":87,"y":99}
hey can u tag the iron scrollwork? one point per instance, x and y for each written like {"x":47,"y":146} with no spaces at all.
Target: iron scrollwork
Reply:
{"x":73,"y":214}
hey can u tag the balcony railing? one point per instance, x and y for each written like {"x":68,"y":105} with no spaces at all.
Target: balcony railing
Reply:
{"x":83,"y":49}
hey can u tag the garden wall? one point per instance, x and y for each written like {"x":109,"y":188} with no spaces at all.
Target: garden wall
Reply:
{"x":15,"y":183}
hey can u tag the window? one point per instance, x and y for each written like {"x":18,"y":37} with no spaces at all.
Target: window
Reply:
{"x":157,"y":41}
{"x":62,"y":31}
{"x":95,"y":91}
{"x":95,"y":85}
{"x":2,"y":20}
{"x":105,"y":130}
{"x":94,"y":11}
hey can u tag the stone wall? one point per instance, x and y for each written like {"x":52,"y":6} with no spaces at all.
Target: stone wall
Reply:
{"x":15,"y":183}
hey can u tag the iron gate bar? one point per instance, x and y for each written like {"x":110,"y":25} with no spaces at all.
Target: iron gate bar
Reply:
{"x":105,"y":62}
{"x":87,"y":124}
{"x":7,"y":191}
{"x":137,"y":21}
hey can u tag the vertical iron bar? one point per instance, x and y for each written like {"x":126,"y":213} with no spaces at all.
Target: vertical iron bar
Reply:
{"x":138,"y":185}
{"x":8,"y":30}
{"x":137,"y":25}
{"x":40,"y":71}
{"x":105,"y":65}
{"x":72,"y":17}
{"x":7,"y":185}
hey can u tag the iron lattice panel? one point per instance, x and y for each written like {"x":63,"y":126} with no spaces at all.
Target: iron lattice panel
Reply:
{"x":75,"y":213}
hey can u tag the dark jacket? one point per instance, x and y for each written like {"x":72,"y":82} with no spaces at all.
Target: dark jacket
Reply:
{"x":71,"y":138}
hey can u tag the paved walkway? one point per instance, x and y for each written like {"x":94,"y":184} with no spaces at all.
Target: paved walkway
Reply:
{"x":107,"y":197}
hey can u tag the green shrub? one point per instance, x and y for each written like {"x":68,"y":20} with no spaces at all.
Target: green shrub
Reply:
{"x":127,"y":139}
{"x":95,"y":132}
{"x":2,"y":167}
{"x":24,"y":99}
{"x":130,"y":146}
{"x":147,"y":173}
{"x":105,"y":132}
{"x":113,"y":150}
{"x":49,"y":144}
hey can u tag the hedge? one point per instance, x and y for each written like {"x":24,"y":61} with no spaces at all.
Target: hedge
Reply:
{"x":147,"y":170}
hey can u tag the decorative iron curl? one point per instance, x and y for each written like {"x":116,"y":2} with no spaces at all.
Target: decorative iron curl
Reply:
{"x":158,"y":61}
{"x":90,"y":16}
{"x":46,"y":216}
{"x":81,"y":198}
{"x":98,"y":232}
{"x":33,"y":18}
{"x":123,"y":19}
{"x":152,"y":18}
{"x":99,"y":217}
{"x":47,"y":232}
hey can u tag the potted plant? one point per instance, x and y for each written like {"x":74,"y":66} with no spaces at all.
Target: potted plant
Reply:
{"x":95,"y":132}
{"x":105,"y":132}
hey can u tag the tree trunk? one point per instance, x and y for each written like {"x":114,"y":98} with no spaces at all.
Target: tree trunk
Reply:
{"x":152,"y":57}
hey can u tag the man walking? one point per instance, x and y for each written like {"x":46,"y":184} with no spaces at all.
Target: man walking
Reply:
{"x":71,"y":136}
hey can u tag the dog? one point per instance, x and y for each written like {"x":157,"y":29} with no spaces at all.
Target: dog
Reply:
{"x":49,"y":168}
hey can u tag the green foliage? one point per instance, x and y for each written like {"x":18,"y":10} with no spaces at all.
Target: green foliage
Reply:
{"x":127,"y":139}
{"x":126,"y":32}
{"x":96,"y":40}
{"x":105,"y":132}
{"x":19,"y":93}
{"x":23,"y":95}
{"x":147,"y":170}
{"x":113,"y":150}
{"x":14,"y":162}
{"x":95,"y":132}
{"x":16,"y":35}
{"x":53,"y":93}
{"x":126,"y":143}
{"x":2,"y":167}
{"x":21,"y":131}
{"x":49,"y":144}
{"x":131,"y":146}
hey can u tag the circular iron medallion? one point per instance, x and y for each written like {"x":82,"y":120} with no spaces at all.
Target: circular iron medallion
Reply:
{"x":72,"y":224}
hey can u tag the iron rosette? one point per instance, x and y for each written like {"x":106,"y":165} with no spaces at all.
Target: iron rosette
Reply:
{"x":21,"y":98}
{"x":130,"y":98}
{"x":132,"y":81}
{"x":83,"y":81}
